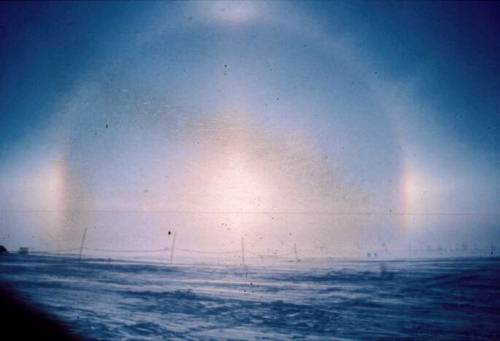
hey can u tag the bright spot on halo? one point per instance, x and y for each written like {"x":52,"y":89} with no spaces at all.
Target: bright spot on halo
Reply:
{"x":46,"y":187}
{"x":421,"y":193}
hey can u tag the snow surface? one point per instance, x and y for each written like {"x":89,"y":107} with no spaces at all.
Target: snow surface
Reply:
{"x":317,"y":300}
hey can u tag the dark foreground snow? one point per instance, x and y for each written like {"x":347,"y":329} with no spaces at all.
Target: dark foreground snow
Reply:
{"x":431,"y":299}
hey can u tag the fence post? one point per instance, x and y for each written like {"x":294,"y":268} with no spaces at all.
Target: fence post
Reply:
{"x":82,"y":244}
{"x":243,"y":250}
{"x":295,"y":251}
{"x":172,"y":248}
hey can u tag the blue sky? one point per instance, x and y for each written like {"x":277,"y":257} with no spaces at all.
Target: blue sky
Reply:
{"x":329,"y":124}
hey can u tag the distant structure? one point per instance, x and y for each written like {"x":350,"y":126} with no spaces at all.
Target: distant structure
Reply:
{"x":3,"y":250}
{"x":23,"y":250}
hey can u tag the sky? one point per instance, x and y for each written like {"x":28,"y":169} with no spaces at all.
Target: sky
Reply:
{"x":340,"y":127}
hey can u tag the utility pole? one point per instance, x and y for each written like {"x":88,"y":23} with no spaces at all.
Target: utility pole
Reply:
{"x":82,"y":244}
{"x":172,"y":248}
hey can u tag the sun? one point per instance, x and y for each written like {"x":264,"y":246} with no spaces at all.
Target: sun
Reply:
{"x":237,"y":185}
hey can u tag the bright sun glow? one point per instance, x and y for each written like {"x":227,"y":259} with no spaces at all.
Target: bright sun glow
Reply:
{"x":236,"y":186}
